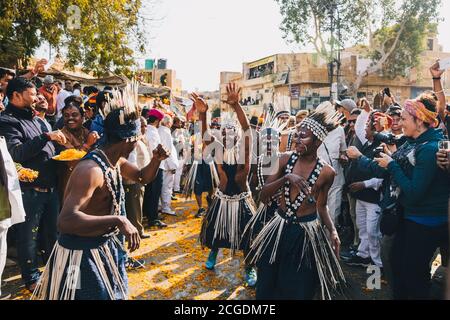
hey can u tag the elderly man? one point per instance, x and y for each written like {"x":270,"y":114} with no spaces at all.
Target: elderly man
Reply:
{"x":170,"y":165}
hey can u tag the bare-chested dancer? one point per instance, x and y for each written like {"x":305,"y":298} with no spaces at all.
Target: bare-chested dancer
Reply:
{"x":292,"y":251}
{"x":88,"y":261}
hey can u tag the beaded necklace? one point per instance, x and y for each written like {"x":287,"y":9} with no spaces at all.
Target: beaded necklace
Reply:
{"x":113,"y":180}
{"x":315,"y":173}
{"x":289,"y":143}
{"x":259,"y":171}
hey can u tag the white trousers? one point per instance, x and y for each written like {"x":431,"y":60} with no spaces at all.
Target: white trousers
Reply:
{"x":368,"y":221}
{"x":3,"y":233}
{"x":179,"y":172}
{"x":166,"y":191}
{"x":334,"y":202}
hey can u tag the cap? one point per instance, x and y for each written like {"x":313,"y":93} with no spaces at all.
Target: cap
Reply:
{"x":156,"y":113}
{"x":49,"y":79}
{"x":347,"y":104}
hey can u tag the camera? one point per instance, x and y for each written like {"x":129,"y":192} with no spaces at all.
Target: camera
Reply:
{"x":387,"y":138}
{"x":378,"y":152}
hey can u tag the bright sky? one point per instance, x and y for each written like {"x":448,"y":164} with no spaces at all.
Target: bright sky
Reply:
{"x":201,"y":38}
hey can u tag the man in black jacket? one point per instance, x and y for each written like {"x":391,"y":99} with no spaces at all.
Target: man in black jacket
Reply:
{"x":30,"y":146}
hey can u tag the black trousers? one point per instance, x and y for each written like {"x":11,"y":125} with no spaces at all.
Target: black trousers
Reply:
{"x":151,"y":197}
{"x":412,"y":251}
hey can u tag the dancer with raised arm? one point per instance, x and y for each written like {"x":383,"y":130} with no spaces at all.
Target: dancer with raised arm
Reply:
{"x":232,"y":206}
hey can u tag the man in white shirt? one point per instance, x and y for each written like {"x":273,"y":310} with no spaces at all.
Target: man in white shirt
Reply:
{"x":330,"y":151}
{"x":170,"y":165}
{"x":62,"y":95}
{"x":182,"y":144}
{"x":134,"y":192}
{"x":153,"y":190}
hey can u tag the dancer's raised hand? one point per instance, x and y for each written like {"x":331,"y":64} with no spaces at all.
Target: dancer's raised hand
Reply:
{"x":199,"y":103}
{"x":233,"y":95}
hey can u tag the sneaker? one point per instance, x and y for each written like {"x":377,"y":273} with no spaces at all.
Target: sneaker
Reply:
{"x":200,"y":213}
{"x":158,"y":223}
{"x":358,"y":261}
{"x":211,"y":262}
{"x":169,"y":212}
{"x":250,"y":277}
{"x":133,"y":264}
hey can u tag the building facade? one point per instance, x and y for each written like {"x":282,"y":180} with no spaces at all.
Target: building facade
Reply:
{"x":304,"y":79}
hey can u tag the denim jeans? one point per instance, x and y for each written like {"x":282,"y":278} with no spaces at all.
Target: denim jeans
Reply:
{"x":41,"y":210}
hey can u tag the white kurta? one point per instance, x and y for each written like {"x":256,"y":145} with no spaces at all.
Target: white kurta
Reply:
{"x":330,"y":151}
{"x":153,"y":140}
{"x":168,"y":165}
{"x":15,"y":201}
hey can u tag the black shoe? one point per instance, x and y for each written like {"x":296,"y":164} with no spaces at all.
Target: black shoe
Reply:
{"x":158,"y":223}
{"x":358,"y":261}
{"x":145,"y":236}
{"x":347,"y":255}
{"x":174,"y":198}
{"x":133,"y":264}
{"x":200,"y":213}
{"x":353,"y":248}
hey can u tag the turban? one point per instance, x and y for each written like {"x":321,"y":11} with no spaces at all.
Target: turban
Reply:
{"x":418,"y":110}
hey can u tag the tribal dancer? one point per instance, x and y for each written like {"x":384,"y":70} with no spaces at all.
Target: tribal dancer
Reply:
{"x":267,"y":165}
{"x":292,"y":251}
{"x":88,"y":260}
{"x":202,"y":176}
{"x":232,"y":206}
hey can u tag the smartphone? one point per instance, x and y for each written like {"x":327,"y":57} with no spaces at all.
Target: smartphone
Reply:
{"x":444,"y":64}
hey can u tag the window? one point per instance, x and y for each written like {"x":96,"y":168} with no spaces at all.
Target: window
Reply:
{"x":261,"y":71}
{"x":430,"y":44}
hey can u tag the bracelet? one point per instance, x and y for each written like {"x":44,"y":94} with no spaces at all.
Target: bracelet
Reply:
{"x":436,"y":78}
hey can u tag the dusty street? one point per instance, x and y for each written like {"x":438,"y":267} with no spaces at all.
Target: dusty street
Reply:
{"x":174,"y":267}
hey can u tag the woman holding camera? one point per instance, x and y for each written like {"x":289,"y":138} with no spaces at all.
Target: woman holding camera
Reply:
{"x":422,"y":191}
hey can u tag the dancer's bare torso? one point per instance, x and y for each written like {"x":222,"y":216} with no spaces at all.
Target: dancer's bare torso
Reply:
{"x":87,"y":192}
{"x":319,"y":190}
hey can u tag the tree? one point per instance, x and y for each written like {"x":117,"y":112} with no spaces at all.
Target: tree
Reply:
{"x":101,"y":35}
{"x":390,"y":33}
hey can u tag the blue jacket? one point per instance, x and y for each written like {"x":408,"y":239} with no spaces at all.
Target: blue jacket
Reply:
{"x":28,"y":145}
{"x":425,"y":188}
{"x":97,"y":125}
